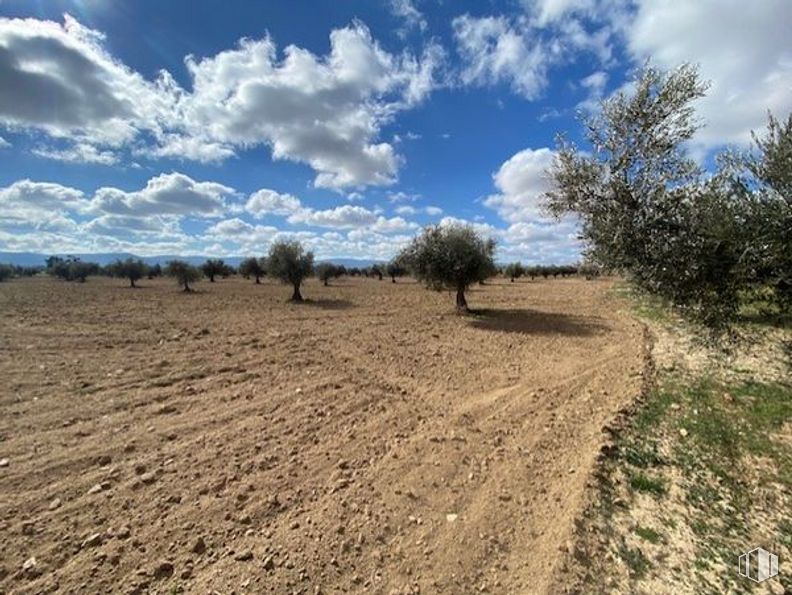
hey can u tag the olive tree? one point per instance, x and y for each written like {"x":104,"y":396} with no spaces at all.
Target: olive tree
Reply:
{"x":183,"y":272}
{"x":154,"y":271}
{"x":131,"y":269}
{"x":514,"y":271}
{"x":450,"y":256}
{"x":71,"y":268}
{"x":375,"y":270}
{"x":763,"y":178}
{"x":645,"y":206}
{"x":253,"y":267}
{"x":6,"y":272}
{"x":214,"y":267}
{"x":290,"y":263}
{"x":326,"y":271}
{"x":394,"y":269}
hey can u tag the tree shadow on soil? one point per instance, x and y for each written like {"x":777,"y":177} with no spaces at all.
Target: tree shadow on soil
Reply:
{"x":326,"y":304}
{"x":534,"y":322}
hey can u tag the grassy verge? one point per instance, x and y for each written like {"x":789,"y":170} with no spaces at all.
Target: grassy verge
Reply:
{"x":701,"y":473}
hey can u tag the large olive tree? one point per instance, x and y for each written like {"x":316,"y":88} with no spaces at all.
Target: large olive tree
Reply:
{"x":763,"y":178}
{"x":450,"y":256}
{"x":290,"y":263}
{"x":645,"y":206}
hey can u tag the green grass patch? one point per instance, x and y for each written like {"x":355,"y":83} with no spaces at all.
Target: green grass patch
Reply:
{"x":641,"y":482}
{"x":649,"y":534}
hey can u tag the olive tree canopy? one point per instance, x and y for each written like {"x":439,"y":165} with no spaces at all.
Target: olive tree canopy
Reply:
{"x":132,"y":269}
{"x":645,"y":206}
{"x":289,"y":263}
{"x":450,"y":256}
{"x":253,"y":267}
{"x":183,"y":272}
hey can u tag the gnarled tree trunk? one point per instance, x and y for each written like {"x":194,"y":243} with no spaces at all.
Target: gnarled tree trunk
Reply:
{"x":461,"y":302}
{"x":296,"y":296}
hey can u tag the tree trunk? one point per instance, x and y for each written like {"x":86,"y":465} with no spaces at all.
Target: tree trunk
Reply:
{"x":296,"y":296}
{"x":512,"y":279}
{"x":461,"y":302}
{"x":258,"y":282}
{"x":187,"y":287}
{"x":393,"y":279}
{"x":131,"y":282}
{"x":325,"y":283}
{"x":211,"y":278}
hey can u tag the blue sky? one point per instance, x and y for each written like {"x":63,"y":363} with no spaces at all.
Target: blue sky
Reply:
{"x":215,"y":127}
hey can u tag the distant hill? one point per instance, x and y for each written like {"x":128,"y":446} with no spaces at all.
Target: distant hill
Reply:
{"x":29,"y":259}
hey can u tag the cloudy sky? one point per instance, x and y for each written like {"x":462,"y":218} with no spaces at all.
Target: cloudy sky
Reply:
{"x":208,"y":127}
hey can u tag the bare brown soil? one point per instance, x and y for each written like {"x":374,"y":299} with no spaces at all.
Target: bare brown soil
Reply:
{"x":368,"y":441}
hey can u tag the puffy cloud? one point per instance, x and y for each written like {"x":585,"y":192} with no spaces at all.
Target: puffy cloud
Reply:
{"x":269,"y":202}
{"x":522,"y":180}
{"x":496,"y":50}
{"x":183,"y":147}
{"x":743,"y":49}
{"x":40,"y":204}
{"x":251,"y":238}
{"x":531,"y":235}
{"x":408,"y":210}
{"x":551,"y":11}
{"x":155,"y":212}
{"x":166,"y":194}
{"x":326,"y":111}
{"x":401,"y":196}
{"x":265,"y":202}
{"x":484,"y":229}
{"x":594,"y":84}
{"x":351,"y":217}
{"x":4,"y":144}
{"x":412,"y":17}
{"x":520,"y":50}
{"x":58,"y":78}
{"x":156,"y":228}
{"x":78,"y":153}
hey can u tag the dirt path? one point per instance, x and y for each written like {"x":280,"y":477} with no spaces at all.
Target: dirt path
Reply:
{"x":371,"y":441}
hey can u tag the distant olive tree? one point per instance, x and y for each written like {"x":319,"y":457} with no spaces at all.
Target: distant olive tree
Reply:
{"x":514,"y":271}
{"x":375,"y":270}
{"x":326,"y":271}
{"x":289,"y":263}
{"x":131,"y":269}
{"x":215,"y":267}
{"x":154,"y":271}
{"x":395,"y":268}
{"x":6,"y":272}
{"x":71,"y":268}
{"x":450,"y":256}
{"x":253,"y":267}
{"x":183,"y":272}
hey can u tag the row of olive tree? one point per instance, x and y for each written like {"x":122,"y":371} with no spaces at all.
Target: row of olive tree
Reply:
{"x":515,"y":270}
{"x":648,"y":209}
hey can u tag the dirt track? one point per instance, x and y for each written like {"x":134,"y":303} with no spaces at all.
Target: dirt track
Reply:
{"x":371,"y":441}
